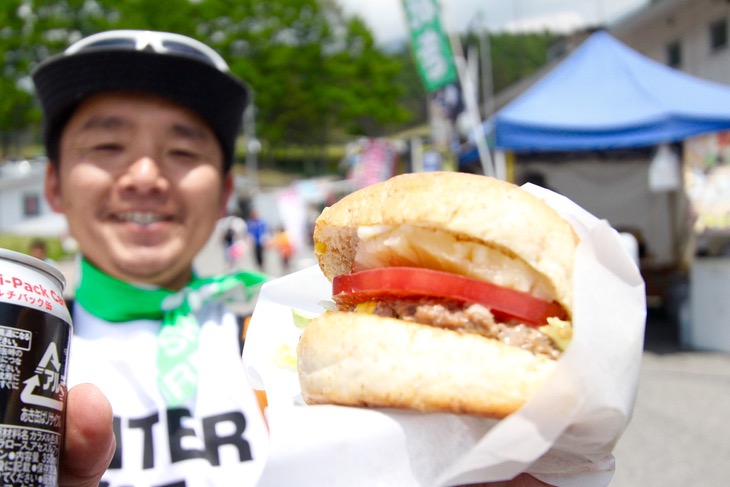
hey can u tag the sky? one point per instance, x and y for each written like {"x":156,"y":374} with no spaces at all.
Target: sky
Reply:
{"x":387,"y":21}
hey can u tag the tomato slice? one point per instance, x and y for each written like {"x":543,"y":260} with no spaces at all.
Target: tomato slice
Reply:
{"x":414,"y":282}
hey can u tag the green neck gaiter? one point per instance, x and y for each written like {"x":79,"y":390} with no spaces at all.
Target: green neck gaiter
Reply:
{"x":116,"y":301}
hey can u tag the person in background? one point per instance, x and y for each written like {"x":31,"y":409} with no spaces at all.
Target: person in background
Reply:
{"x":140,"y":129}
{"x":535,"y":177}
{"x":39,"y":250}
{"x":281,"y":242}
{"x":234,"y":233}
{"x":259,"y":231}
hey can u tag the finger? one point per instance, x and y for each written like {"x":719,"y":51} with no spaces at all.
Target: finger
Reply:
{"x":89,"y":440}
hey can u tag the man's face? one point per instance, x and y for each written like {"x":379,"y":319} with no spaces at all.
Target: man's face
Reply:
{"x":140,"y":181}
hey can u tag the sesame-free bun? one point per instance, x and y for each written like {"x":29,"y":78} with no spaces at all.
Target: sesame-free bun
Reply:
{"x":361,"y":359}
{"x":495,"y":213}
{"x":357,"y":359}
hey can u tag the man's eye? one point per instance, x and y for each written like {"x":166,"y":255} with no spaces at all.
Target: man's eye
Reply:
{"x":107,"y":148}
{"x":185,"y":154}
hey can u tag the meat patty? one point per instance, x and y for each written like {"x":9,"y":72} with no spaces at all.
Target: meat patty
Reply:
{"x":466,"y":318}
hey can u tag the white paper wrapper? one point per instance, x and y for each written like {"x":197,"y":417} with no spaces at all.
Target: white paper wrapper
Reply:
{"x":564,"y":435}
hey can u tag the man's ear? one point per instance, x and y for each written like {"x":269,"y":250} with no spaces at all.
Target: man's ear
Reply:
{"x":226,"y":193}
{"x":52,"y":187}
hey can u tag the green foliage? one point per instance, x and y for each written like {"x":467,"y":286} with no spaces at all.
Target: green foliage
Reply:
{"x":517,"y":56}
{"x":315,"y":75}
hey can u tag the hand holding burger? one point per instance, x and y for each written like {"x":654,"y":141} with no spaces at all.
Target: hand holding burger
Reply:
{"x":454,"y":294}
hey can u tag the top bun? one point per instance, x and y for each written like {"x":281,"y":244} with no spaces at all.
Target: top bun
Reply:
{"x":480,"y":209}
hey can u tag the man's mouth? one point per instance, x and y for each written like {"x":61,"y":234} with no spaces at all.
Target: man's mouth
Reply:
{"x":140,"y":217}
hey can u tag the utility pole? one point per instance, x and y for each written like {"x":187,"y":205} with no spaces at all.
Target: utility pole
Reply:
{"x":253,"y":146}
{"x":472,"y":110}
{"x":485,"y":48}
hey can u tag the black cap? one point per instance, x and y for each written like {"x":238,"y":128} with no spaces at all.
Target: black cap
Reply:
{"x":63,"y":81}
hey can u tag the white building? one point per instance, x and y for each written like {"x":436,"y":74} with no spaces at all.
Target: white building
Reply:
{"x":23,"y":207}
{"x":690,"y":35}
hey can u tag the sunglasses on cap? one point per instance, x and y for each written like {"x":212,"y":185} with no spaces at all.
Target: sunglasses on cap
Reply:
{"x":159,"y":42}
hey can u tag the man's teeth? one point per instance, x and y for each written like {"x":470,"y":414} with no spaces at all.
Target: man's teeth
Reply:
{"x":141,"y":218}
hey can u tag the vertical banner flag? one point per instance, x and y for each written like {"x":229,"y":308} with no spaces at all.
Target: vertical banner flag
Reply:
{"x":376,"y":163}
{"x":430,"y":44}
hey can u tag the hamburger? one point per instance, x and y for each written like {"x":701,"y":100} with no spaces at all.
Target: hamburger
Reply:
{"x":453,"y":293}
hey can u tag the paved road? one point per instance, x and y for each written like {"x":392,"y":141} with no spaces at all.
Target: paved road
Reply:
{"x":679,"y":435}
{"x":211,"y":261}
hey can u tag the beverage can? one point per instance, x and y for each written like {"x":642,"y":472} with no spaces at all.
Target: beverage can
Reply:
{"x":35,"y":334}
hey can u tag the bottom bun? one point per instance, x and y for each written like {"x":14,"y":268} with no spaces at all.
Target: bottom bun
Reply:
{"x":358,"y":359}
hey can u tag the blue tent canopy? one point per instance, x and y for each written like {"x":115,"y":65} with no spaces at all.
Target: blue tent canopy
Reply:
{"x":607,"y":96}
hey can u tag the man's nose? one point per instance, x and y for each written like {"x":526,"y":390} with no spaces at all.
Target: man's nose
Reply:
{"x":144,"y":175}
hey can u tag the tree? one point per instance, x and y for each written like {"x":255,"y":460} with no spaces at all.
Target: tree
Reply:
{"x":315,"y":74}
{"x":516,"y":56}
{"x":370,"y":100}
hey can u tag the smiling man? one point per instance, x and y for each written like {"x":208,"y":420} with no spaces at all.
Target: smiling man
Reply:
{"x":144,"y":176}
{"x":140,"y":131}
